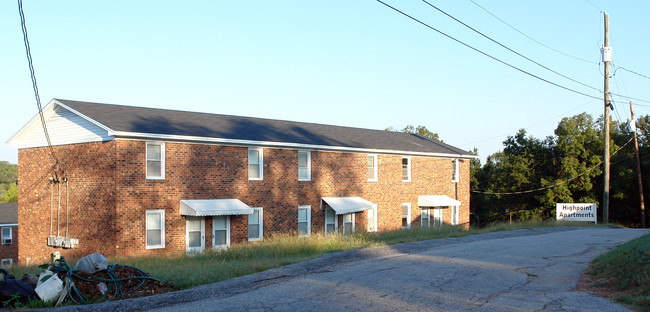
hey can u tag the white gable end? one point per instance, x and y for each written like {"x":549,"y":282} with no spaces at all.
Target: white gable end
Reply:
{"x":63,"y":126}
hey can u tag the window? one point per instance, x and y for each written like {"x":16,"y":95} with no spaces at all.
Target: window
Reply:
{"x":255,"y":164}
{"x":454,"y":170}
{"x":155,"y":160}
{"x":437,"y":217}
{"x":330,"y":221}
{"x":221,"y":228}
{"x":194,"y":234}
{"x":406,"y":215}
{"x":372,"y":219}
{"x":425,"y":217}
{"x":304,"y":165}
{"x":6,"y":236}
{"x":304,"y":221}
{"x":255,"y":224}
{"x":372,"y":167}
{"x":406,"y":169}
{"x":454,"y":215}
{"x":7,"y":262}
{"x":348,"y":224}
{"x":155,"y":229}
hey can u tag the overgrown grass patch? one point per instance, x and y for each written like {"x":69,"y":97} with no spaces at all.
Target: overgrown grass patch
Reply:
{"x":625,"y":269}
{"x":187,"y":271}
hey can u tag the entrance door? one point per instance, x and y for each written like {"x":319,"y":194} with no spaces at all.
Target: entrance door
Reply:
{"x":221,"y":229}
{"x":437,"y":217}
{"x":348,"y":224}
{"x":194,"y":234}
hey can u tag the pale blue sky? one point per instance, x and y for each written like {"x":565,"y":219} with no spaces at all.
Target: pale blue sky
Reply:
{"x":341,"y":62}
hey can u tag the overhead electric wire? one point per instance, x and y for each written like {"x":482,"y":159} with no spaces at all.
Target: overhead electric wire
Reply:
{"x":530,"y":126}
{"x":33,"y":76}
{"x":531,"y":38}
{"x":487,"y":55}
{"x":507,"y":48}
{"x":631,"y":71}
{"x":554,"y":185}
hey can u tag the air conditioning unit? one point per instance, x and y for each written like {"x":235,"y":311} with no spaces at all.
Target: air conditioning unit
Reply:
{"x":64,"y":242}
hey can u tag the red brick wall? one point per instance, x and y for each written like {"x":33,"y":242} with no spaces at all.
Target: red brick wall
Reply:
{"x":10,"y":251}
{"x":120,"y":194}
{"x":90,"y":169}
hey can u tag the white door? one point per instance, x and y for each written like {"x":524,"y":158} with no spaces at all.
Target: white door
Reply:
{"x":331,"y":222}
{"x":437,"y":217}
{"x":221,"y":232}
{"x":348,"y":224}
{"x":194,"y":234}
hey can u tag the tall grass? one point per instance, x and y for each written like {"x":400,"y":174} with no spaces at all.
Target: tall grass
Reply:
{"x":626,"y":268}
{"x":186,"y":271}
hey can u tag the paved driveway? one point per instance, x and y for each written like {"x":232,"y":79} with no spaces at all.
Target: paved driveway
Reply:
{"x":525,"y":270}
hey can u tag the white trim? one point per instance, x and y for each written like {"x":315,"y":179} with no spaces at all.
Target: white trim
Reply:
{"x":260,"y":155}
{"x":375,"y":168}
{"x":308,"y":178}
{"x":47,"y":111}
{"x":455,"y":167}
{"x":408,"y":221}
{"x":162,"y":160}
{"x":169,"y":137}
{"x":11,"y":235}
{"x":455,"y":211}
{"x":408,"y":158}
{"x":308,"y":209}
{"x":374,"y":213}
{"x":8,"y":224}
{"x":261,"y":224}
{"x":201,"y":220}
{"x":214,"y":242}
{"x":160,"y":212}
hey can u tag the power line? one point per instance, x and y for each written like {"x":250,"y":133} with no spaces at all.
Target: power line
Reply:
{"x":531,"y":38}
{"x":554,"y":185}
{"x":530,"y":126}
{"x":631,"y":71}
{"x":33,"y":76}
{"x":488,"y":55}
{"x":509,"y":49}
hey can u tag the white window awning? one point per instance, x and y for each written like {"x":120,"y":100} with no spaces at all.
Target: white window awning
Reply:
{"x":214,"y":207}
{"x":345,"y":205}
{"x":437,"y":201}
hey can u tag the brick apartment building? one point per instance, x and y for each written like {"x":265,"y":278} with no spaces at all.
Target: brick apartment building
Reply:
{"x":129,"y":181}
{"x":8,"y":233}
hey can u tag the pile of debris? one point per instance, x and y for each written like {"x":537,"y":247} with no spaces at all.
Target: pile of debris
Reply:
{"x":92,"y":280}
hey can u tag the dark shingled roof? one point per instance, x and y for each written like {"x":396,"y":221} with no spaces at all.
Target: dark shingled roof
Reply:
{"x":174,"y":122}
{"x":8,"y":213}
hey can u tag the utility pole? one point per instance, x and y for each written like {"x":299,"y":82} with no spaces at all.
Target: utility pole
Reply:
{"x":638,"y":164}
{"x":607,"y":55}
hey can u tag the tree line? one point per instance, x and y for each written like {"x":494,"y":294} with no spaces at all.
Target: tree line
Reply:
{"x":531,"y":175}
{"x":8,"y":180}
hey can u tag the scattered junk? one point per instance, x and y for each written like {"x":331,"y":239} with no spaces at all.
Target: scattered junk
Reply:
{"x":92,"y":280}
{"x":13,"y":291}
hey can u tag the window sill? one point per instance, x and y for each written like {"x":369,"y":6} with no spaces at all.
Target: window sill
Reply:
{"x":155,"y":247}
{"x":255,"y":239}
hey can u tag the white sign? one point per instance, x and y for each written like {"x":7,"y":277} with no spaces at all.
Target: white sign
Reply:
{"x":576,"y":212}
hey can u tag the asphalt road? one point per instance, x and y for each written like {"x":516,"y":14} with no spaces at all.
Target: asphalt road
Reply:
{"x":524,"y":270}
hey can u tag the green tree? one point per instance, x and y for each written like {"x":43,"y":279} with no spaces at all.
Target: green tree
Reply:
{"x":419,"y":130}
{"x":8,"y":176}
{"x":11,"y":196}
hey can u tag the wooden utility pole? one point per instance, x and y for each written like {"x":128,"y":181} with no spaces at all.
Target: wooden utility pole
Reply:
{"x":638,"y":164}
{"x":606,"y":60}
